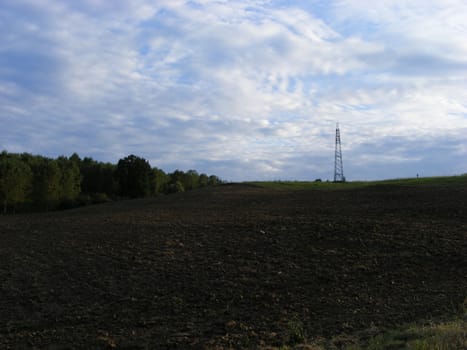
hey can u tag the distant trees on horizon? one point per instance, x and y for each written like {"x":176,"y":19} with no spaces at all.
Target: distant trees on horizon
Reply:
{"x":35,"y":183}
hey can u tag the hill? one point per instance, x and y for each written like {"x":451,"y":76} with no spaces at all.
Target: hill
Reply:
{"x":236,"y":265}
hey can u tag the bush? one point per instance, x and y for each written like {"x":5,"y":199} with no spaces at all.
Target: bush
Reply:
{"x":175,"y":187}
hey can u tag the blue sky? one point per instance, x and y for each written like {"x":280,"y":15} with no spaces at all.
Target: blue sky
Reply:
{"x":241,"y":89}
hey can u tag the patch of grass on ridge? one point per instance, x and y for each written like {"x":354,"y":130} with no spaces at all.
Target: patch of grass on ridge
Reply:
{"x":443,"y":336}
{"x":459,"y":180}
{"x":450,"y":335}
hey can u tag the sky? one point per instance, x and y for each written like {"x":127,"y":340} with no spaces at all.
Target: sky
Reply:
{"x":246,"y":90}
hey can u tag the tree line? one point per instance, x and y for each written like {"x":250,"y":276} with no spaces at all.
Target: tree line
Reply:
{"x":34,"y":183}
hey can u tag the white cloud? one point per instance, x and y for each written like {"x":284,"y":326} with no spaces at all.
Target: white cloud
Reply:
{"x":232,"y":84}
{"x":430,"y":27}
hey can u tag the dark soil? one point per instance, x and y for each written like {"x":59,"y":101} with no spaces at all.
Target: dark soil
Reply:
{"x":232,"y":266}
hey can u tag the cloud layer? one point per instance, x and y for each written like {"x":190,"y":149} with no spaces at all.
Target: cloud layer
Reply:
{"x":243,"y":89}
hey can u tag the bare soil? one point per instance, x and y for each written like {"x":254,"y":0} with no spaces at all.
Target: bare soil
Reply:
{"x":234,"y":266}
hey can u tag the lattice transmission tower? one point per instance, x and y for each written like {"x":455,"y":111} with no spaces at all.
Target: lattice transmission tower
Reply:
{"x":338,"y":167}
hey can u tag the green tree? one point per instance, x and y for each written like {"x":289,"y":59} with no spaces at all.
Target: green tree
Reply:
{"x":191,"y":180}
{"x":203,"y":180}
{"x":89,"y":170}
{"x":178,"y":187}
{"x":158,"y":181}
{"x":70,"y":179}
{"x":46,"y":181}
{"x":134,"y":174}
{"x":176,"y":182}
{"x":15,"y":180}
{"x":98,"y":177}
{"x":75,"y":159}
{"x":214,"y":180}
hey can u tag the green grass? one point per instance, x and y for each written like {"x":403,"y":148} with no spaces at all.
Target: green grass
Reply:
{"x":460,"y":180}
{"x":443,"y":336}
{"x":450,"y":334}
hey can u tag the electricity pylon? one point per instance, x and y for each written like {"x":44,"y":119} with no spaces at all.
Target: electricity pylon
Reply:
{"x":338,"y":167}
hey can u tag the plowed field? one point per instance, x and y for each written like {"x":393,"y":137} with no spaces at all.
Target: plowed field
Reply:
{"x":232,"y":266}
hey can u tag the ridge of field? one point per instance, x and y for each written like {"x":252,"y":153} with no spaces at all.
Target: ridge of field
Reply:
{"x":457,"y":180}
{"x":234,"y":266}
